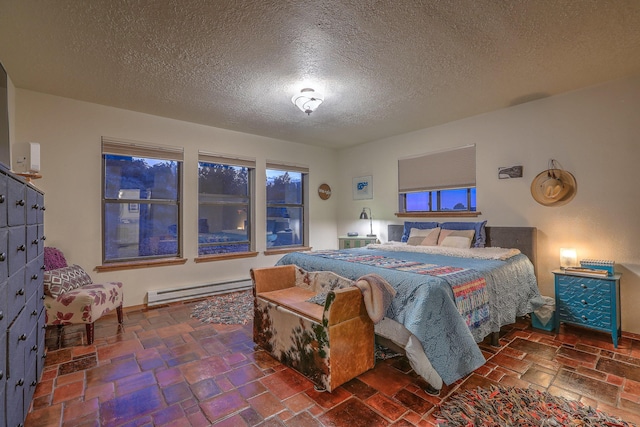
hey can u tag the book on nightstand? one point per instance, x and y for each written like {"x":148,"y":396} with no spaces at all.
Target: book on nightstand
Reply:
{"x":586,"y":271}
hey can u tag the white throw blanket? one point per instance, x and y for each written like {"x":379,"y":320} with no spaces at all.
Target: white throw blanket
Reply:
{"x":377,"y":294}
{"x":480,"y":253}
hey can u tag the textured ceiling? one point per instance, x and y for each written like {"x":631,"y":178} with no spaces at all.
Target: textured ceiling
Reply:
{"x":386,"y":67}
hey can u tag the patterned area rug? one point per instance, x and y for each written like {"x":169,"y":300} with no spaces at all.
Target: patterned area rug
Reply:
{"x":235,"y":308}
{"x":511,"y":406}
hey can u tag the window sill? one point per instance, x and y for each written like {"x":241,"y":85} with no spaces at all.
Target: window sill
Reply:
{"x":130,"y":265}
{"x":437,"y":214}
{"x":286,"y":250}
{"x":220,"y":257}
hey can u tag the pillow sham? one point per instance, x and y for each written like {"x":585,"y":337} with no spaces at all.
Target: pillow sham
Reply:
{"x":424,"y":237}
{"x":479,"y":227}
{"x":408,"y":225}
{"x":456,"y":242}
{"x":468,"y":234}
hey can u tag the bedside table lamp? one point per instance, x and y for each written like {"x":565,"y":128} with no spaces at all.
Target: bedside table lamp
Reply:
{"x":363,"y":215}
{"x":568,"y":258}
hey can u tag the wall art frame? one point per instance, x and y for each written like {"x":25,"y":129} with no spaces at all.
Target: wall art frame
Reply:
{"x":363,"y":187}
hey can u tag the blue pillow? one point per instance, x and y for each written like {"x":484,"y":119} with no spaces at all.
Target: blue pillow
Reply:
{"x":480,"y":237}
{"x":408,"y":225}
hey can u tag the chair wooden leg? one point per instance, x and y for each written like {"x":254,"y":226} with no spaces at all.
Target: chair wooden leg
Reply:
{"x":89,"y":333}
{"x":119,"y":313}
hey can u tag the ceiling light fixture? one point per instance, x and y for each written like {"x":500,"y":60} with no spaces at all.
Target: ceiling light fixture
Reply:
{"x":307,"y":100}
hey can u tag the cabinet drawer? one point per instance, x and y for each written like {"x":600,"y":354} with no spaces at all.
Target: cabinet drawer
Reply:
{"x":4,"y":244}
{"x":587,"y":293}
{"x":3,"y":200}
{"x":16,"y":203}
{"x":16,"y":249}
{"x":593,"y":298}
{"x":33,"y":278}
{"x":584,"y":316}
{"x":42,"y":351}
{"x":32,"y":242}
{"x":33,"y":206}
{"x":4,"y":285}
{"x":16,"y":295}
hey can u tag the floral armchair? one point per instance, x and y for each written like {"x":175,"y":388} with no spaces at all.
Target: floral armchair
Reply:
{"x":71,"y":297}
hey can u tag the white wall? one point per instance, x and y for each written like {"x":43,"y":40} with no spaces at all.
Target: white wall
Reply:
{"x":69,"y":133}
{"x":594,"y":133}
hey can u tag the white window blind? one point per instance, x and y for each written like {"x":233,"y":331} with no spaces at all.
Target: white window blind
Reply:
{"x":226,"y":160}
{"x":121,"y":147}
{"x":438,"y":171}
{"x":286,"y":167}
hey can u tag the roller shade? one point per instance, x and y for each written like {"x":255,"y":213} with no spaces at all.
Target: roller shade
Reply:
{"x":438,"y":171}
{"x":121,"y":147}
{"x":226,"y":160}
{"x":286,"y":167}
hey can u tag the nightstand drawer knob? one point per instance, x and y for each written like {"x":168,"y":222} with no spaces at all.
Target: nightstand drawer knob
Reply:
{"x":584,"y":302}
{"x":583,"y":286}
{"x":584,"y":317}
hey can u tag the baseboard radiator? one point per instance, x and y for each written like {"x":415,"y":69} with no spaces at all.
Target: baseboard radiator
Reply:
{"x":165,"y":296}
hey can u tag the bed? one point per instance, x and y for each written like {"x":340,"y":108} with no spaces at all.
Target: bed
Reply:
{"x":447,"y":299}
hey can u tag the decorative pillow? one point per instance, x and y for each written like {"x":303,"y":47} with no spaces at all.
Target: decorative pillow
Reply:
{"x":53,"y":259}
{"x":456,"y":242}
{"x":408,"y":225}
{"x":468,"y":234}
{"x":424,"y":237}
{"x":478,"y":227}
{"x":318,"y":299}
{"x":57,"y":282}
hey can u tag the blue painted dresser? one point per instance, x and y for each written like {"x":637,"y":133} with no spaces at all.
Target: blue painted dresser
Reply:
{"x":592,"y":302}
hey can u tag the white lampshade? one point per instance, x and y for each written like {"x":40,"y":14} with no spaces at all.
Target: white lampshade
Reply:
{"x":568,"y":257}
{"x":307,"y":100}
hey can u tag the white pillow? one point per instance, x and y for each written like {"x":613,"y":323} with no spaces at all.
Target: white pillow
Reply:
{"x":456,"y":242}
{"x":423,"y":236}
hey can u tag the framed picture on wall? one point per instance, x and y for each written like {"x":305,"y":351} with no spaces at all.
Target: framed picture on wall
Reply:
{"x":363,"y":187}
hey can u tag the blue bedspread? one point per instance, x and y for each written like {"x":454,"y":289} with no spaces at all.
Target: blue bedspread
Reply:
{"x":425,"y":304}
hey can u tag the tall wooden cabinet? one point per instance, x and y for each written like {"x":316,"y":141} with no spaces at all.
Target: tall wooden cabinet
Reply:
{"x":22,"y":321}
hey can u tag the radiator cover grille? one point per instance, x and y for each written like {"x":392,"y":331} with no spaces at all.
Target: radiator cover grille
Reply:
{"x":165,"y":296}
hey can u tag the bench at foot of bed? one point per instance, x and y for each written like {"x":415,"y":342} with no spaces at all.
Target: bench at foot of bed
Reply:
{"x":329,"y":344}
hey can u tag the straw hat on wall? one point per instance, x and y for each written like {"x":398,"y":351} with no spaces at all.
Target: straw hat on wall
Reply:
{"x":554,"y":186}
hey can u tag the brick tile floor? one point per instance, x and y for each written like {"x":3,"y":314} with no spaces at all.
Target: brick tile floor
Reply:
{"x":164,"y":368}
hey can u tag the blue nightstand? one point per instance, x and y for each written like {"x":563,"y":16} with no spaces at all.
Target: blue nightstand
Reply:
{"x":589,"y":301}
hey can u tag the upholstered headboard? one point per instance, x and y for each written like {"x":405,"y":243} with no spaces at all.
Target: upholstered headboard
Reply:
{"x":523,"y":238}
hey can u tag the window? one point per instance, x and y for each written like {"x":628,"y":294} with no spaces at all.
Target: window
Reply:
{"x":286,"y":196}
{"x":141,"y":201}
{"x":225,"y":193}
{"x":439,"y":182}
{"x":460,"y":199}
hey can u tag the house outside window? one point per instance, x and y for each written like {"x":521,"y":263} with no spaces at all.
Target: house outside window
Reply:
{"x":440,"y":182}
{"x":225,"y":203}
{"x":141,"y":201}
{"x":286,"y":213}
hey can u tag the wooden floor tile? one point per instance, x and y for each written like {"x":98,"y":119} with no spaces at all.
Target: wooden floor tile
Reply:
{"x":165,"y":368}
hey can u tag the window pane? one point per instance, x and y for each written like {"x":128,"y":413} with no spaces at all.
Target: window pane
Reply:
{"x":418,"y":201}
{"x":453,"y":200}
{"x":223,"y":209}
{"x":223,"y":180}
{"x":140,"y":178}
{"x":134,"y":230}
{"x":284,"y":226}
{"x":222,"y":229}
{"x":284,"y":187}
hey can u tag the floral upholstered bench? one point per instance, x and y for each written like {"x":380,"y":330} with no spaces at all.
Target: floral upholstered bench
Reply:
{"x":71,"y":297}
{"x":313,"y":322}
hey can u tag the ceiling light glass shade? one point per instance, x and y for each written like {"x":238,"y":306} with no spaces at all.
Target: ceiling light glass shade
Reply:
{"x":307,"y":100}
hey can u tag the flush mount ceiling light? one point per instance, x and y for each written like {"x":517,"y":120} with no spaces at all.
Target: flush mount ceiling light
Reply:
{"x":307,"y":100}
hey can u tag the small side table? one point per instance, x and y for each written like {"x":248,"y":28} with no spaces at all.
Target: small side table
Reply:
{"x":589,"y":301}
{"x":348,"y":242}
